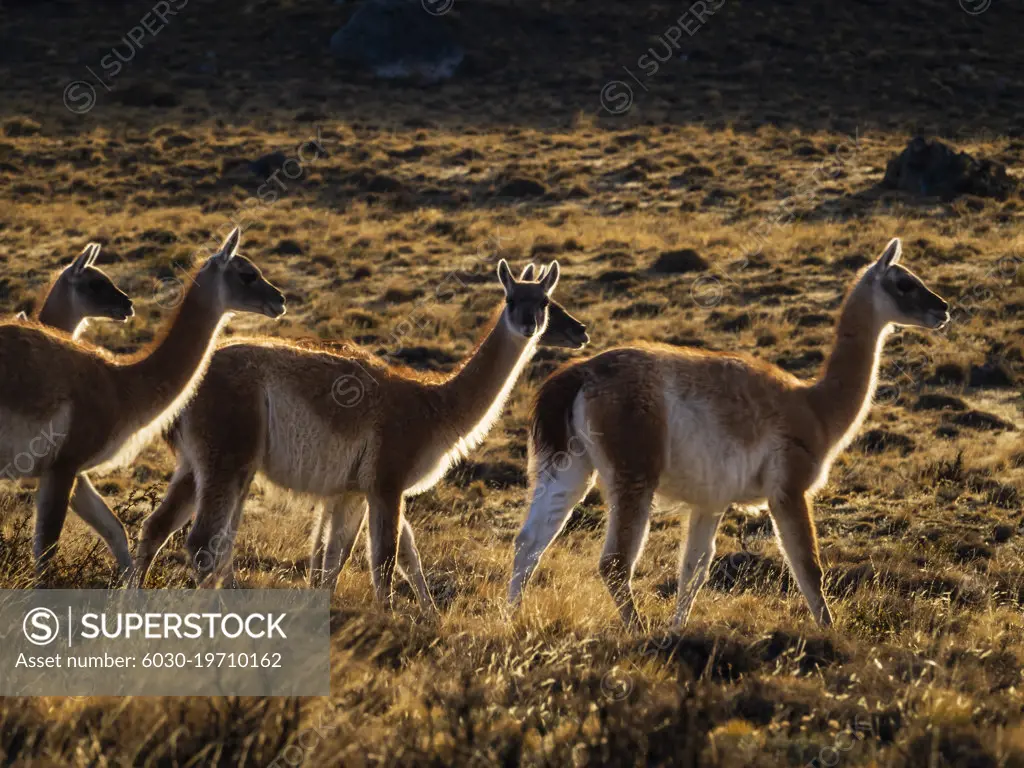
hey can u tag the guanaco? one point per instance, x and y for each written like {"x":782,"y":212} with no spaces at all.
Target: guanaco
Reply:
{"x":77,"y":294}
{"x":347,"y":428}
{"x":709,"y":429}
{"x":67,"y":408}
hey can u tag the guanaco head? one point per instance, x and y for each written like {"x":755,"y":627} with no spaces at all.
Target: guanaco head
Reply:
{"x":527,"y":301}
{"x":240,"y":286}
{"x":88,"y":291}
{"x":563,"y":330}
{"x":901,"y":297}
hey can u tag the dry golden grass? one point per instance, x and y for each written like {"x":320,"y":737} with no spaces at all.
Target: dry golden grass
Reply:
{"x":921,"y":523}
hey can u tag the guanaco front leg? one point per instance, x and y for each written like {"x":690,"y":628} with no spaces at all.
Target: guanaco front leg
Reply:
{"x":412,"y":568}
{"x":791,"y":513}
{"x":90,"y":506}
{"x":51,"y":510}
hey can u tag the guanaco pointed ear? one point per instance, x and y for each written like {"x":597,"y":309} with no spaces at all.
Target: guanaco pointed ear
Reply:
{"x":86,"y":258}
{"x":227,"y":251}
{"x":505,"y":275}
{"x":549,"y":279}
{"x":527,"y":273}
{"x":891,"y":255}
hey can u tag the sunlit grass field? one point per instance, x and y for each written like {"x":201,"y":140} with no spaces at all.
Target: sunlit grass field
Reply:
{"x":651,"y":215}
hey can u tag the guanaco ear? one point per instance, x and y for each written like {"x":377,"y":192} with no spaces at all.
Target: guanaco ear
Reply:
{"x":549,"y":279}
{"x":505,"y":275}
{"x":86,"y":258}
{"x":230,"y":246}
{"x":527,"y":273}
{"x":891,"y":255}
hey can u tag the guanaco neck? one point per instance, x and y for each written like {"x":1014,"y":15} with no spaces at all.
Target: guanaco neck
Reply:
{"x":57,"y":311}
{"x":152,"y":383}
{"x":842,"y":395}
{"x":473,"y":396}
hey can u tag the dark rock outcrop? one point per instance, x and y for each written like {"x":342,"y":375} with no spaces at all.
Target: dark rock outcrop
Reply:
{"x":398,"y":39}
{"x":932,"y":169}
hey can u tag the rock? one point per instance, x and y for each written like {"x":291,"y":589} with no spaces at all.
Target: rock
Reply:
{"x":932,"y":169}
{"x":679,"y":262}
{"x":397,"y":39}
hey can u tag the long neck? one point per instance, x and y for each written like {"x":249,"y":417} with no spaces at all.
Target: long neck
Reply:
{"x":159,"y":382}
{"x":842,"y":395}
{"x":58,"y":311}
{"x":474,"y":395}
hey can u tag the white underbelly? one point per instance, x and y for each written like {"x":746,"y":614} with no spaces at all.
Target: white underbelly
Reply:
{"x":300,"y":453}
{"x":704,"y":467}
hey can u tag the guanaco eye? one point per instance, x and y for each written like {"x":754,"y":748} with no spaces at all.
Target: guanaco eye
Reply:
{"x":96,"y":284}
{"x":247,"y":278}
{"x":905,"y":286}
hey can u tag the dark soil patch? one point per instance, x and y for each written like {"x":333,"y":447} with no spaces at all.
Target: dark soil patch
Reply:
{"x":880,"y":441}
{"x":679,"y":262}
{"x":496,"y":474}
{"x":937,"y":402}
{"x":980,"y":420}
